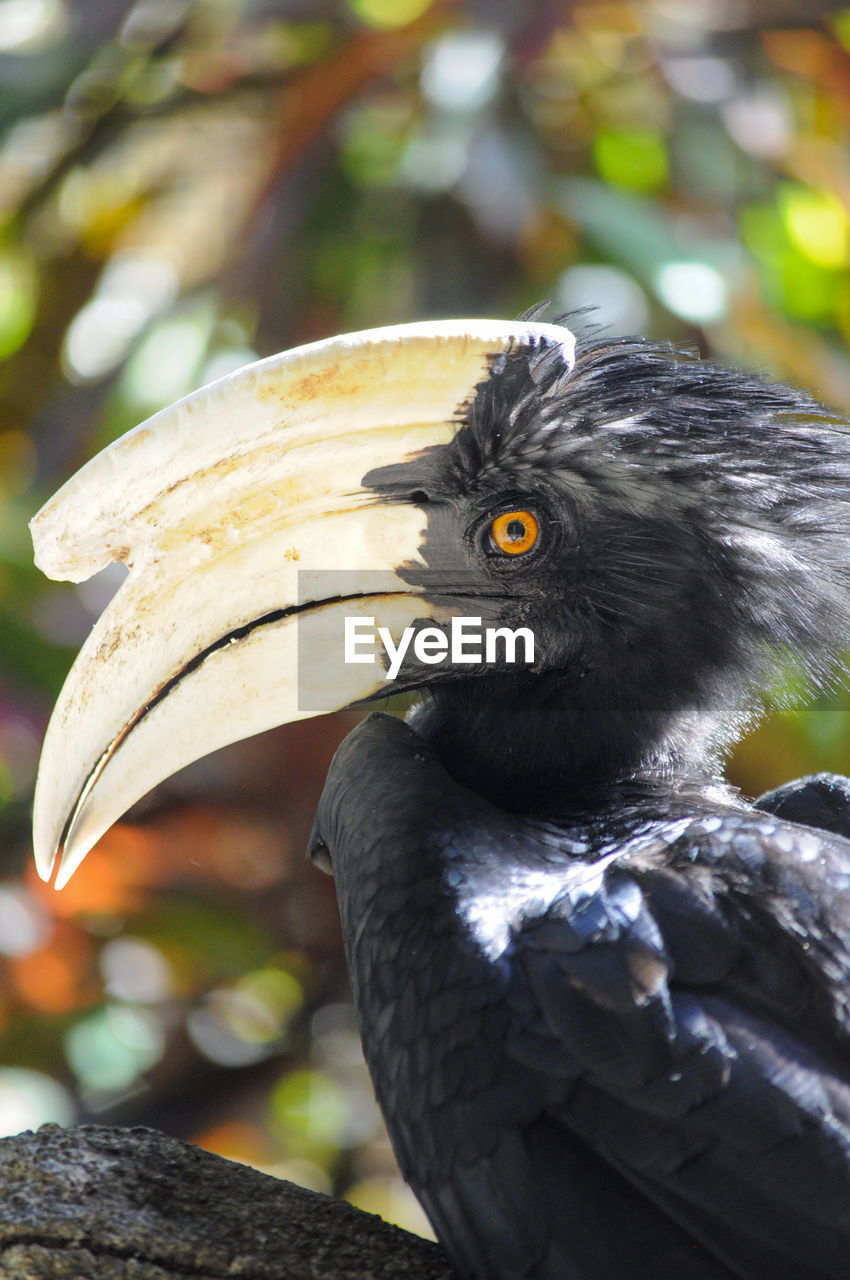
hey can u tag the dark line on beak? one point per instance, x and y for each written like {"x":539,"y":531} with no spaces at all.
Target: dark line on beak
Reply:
{"x":232,"y":637}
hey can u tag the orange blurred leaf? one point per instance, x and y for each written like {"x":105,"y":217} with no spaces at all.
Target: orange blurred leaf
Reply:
{"x":57,"y":978}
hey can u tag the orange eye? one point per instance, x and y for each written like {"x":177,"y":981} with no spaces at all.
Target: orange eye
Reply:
{"x":515,"y":532}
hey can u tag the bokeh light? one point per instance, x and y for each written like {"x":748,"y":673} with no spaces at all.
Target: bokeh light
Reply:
{"x":26,"y":26}
{"x":135,"y":970}
{"x":696,"y":291}
{"x":31,"y":1098}
{"x":460,"y":71}
{"x":632,"y":158}
{"x":24,"y":924}
{"x":611,"y":297}
{"x":389,"y":13}
{"x":817,"y":224}
{"x":18,"y":299}
{"x":110,"y":1049}
{"x":131,"y":290}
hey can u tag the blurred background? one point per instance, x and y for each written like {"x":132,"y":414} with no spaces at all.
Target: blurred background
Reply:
{"x":186,"y":185}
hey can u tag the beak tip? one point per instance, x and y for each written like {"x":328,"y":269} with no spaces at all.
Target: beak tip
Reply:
{"x":74,"y":849}
{"x":46,"y":838}
{"x":56,"y":859}
{"x":63,"y":875}
{"x":44,"y":864}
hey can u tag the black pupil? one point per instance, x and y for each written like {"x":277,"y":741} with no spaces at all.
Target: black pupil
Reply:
{"x":516,"y":530}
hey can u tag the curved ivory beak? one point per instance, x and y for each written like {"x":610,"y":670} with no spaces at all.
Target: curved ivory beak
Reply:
{"x":216,"y":505}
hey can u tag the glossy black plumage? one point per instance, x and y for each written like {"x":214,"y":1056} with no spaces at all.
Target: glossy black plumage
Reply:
{"x":604,"y":1001}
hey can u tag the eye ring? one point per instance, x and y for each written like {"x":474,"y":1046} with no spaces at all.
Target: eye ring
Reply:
{"x":514,"y":533}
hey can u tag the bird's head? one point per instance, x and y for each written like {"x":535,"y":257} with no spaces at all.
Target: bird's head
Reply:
{"x":689,"y":544}
{"x":670,"y":532}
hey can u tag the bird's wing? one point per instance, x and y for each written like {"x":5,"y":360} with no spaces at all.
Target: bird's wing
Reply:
{"x":707,"y":1006}
{"x":822,"y":800}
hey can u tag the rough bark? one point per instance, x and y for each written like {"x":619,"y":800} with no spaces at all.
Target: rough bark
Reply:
{"x":108,"y":1204}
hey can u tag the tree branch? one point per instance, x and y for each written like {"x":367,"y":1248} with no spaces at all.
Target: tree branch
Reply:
{"x":113,"y":1204}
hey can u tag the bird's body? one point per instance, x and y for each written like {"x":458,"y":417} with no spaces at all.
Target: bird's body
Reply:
{"x":603,"y":999}
{"x":616,"y":1045}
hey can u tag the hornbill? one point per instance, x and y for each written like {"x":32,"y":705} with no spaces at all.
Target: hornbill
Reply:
{"x":603,"y":998}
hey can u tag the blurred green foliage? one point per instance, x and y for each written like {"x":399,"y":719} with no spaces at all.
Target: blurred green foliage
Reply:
{"x":186,"y":186}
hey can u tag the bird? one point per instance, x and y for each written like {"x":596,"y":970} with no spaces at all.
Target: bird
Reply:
{"x":604,"y":998}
